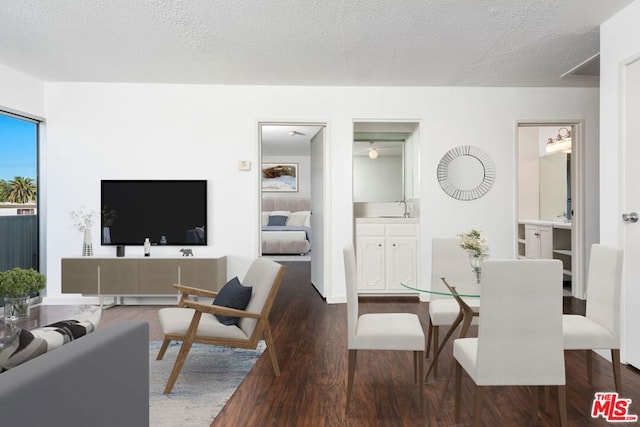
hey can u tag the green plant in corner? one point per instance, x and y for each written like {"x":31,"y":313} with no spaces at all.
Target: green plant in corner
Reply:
{"x":19,"y":282}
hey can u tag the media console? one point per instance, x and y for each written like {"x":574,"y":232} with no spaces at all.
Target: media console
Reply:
{"x":141,"y":276}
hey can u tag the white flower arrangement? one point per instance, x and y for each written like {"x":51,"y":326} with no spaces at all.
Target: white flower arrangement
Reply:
{"x":82,"y":220}
{"x":474,"y":242}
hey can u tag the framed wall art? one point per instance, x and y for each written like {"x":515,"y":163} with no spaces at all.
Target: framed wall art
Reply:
{"x":280,"y":177}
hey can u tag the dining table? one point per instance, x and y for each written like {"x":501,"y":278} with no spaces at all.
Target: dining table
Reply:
{"x":467,"y":295}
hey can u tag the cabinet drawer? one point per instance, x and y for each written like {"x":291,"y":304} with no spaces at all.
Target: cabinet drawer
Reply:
{"x":370,"y":229}
{"x":402,"y":230}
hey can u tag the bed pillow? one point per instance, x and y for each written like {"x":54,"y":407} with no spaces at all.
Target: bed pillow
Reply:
{"x":299,"y":219}
{"x":277,"y":220}
{"x":232,"y":295}
{"x":265,"y":219}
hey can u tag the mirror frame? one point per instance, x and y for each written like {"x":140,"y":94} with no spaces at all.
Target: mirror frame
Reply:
{"x":481,"y":188}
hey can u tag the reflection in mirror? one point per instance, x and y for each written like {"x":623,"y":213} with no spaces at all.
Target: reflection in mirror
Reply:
{"x":555,"y":188}
{"x":379,"y":179}
{"x":466,"y":172}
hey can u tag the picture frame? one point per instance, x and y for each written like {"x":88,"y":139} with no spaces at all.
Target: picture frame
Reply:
{"x":279,"y":177}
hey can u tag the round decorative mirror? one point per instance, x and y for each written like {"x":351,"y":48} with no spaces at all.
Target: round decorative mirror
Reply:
{"x":466,"y":172}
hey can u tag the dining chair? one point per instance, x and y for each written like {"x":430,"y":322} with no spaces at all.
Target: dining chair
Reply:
{"x":380,"y":331}
{"x":202,"y":322}
{"x":448,"y":260}
{"x":519,"y":340}
{"x":600,"y":327}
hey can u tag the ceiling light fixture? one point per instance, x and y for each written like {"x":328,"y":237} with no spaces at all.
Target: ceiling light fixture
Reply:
{"x":561,"y":143}
{"x":373,"y":153}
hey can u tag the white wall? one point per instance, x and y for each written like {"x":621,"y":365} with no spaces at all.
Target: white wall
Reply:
{"x":21,"y":93}
{"x":619,"y":42}
{"x":529,"y":173}
{"x":100,"y":131}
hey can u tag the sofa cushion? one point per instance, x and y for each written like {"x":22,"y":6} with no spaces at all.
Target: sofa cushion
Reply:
{"x":232,"y":295}
{"x":25,"y":345}
{"x":19,"y":348}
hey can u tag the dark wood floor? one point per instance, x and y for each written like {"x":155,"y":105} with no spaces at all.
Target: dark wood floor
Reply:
{"x":310,"y":338}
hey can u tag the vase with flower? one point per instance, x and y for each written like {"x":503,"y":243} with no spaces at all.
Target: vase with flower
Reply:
{"x":82,"y":221}
{"x":475,"y":243}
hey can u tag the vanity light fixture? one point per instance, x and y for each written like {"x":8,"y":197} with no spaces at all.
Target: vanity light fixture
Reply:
{"x":373,"y":152}
{"x":561,"y":143}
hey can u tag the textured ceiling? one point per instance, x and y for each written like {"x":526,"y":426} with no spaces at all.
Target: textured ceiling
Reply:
{"x":295,"y":42}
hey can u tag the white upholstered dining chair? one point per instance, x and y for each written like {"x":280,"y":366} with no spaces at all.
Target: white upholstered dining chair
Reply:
{"x":600,"y":327}
{"x":519,"y":339}
{"x":450,"y":261}
{"x":380,"y":331}
{"x":200,"y":322}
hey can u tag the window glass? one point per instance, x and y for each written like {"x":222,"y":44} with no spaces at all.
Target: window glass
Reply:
{"x":18,"y":193}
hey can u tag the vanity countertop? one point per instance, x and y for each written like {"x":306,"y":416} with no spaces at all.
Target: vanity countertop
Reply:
{"x":556,"y":224}
{"x":387,"y":220}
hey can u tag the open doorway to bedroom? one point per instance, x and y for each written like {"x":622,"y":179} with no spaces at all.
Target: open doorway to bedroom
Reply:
{"x":292,"y":195}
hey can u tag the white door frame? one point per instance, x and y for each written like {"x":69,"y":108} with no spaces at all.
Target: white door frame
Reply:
{"x":578,"y":242}
{"x":326,"y":199}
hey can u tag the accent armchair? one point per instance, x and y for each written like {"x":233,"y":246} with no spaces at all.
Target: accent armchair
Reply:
{"x":196,"y":322}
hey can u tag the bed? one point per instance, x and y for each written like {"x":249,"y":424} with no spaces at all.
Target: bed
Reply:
{"x":286,"y":226}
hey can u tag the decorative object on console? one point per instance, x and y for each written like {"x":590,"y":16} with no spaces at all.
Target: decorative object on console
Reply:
{"x":16,"y":286}
{"x":147,"y":247}
{"x":475,"y":243}
{"x":120,"y":251}
{"x":281,"y":177}
{"x":82,"y":221}
{"x":186,"y":252}
{"x":466,"y":172}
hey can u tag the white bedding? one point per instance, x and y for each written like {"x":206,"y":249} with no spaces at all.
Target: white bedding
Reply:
{"x":281,"y":240}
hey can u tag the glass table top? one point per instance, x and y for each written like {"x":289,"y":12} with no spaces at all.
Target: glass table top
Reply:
{"x":466,"y":291}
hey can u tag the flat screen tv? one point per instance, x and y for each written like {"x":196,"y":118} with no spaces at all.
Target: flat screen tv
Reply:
{"x":168,"y":212}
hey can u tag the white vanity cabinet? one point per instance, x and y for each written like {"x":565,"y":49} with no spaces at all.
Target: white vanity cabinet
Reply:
{"x":386,"y":254}
{"x":538,"y":241}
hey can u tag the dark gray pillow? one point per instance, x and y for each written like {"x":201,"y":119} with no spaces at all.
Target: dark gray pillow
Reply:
{"x":277,"y":220}
{"x":232,"y":295}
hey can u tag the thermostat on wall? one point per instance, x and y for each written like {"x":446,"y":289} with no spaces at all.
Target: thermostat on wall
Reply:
{"x":244,"y":165}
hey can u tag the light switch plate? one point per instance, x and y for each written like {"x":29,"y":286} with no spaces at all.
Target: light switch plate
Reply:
{"x":244,"y":165}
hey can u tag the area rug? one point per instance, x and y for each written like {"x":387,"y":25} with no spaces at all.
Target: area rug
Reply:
{"x":208,"y":378}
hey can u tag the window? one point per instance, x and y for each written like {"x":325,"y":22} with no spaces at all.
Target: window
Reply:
{"x":18,"y":192}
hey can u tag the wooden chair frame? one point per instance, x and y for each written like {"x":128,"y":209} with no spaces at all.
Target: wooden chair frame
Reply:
{"x":261,"y":330}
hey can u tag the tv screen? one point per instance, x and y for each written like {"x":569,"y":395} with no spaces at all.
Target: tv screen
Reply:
{"x":167,"y":212}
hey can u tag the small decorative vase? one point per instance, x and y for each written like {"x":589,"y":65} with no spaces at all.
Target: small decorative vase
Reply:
{"x":87,"y":246}
{"x":16,"y":307}
{"x":476,"y":264}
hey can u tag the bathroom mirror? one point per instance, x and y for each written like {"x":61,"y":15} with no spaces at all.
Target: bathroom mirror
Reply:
{"x":555,"y":187}
{"x":466,"y":173}
{"x":378,"y":177}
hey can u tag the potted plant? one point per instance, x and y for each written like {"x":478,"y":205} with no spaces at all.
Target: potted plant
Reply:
{"x":16,"y":287}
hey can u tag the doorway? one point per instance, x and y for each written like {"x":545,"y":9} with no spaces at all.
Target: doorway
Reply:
{"x":549,"y":198}
{"x":292,"y":200}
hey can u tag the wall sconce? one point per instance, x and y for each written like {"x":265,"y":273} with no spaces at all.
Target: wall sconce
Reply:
{"x":373,"y":153}
{"x":561,"y":143}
